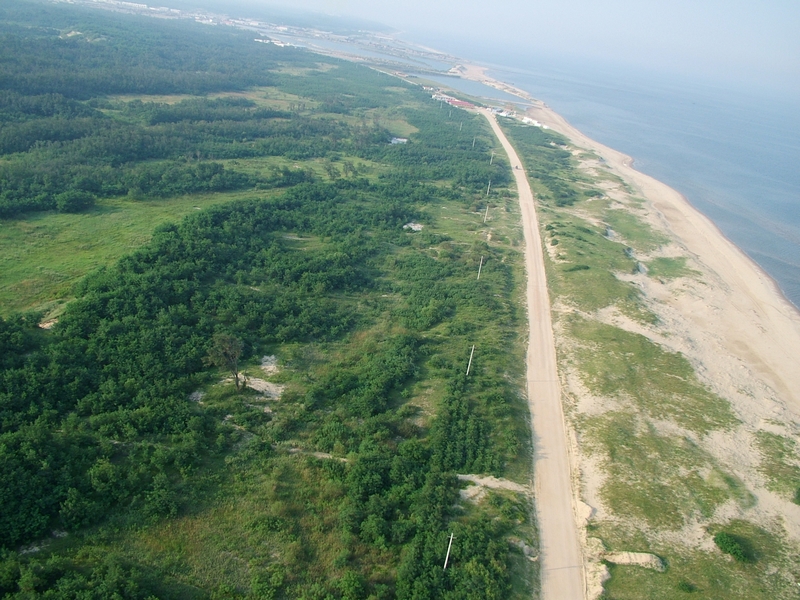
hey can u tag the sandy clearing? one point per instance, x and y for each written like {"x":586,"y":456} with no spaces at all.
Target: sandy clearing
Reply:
{"x":560,"y":550}
{"x":267,"y":389}
{"x":269,"y":364}
{"x":477,"y":491}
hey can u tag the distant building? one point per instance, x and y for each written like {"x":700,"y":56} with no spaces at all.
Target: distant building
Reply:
{"x":397,"y":140}
{"x":461,"y":104}
{"x":452,"y":101}
{"x":529,"y":121}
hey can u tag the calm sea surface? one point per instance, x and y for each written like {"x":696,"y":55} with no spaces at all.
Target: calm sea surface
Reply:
{"x":734,"y":155}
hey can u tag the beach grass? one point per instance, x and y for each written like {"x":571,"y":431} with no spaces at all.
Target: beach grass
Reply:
{"x":634,"y":231}
{"x":645,"y":417}
{"x":780,"y":463}
{"x":634,"y":370}
{"x":710,"y":574}
{"x":669,"y":267}
{"x":661,"y":479}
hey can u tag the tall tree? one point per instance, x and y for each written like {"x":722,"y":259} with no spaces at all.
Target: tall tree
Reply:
{"x":225,"y":352}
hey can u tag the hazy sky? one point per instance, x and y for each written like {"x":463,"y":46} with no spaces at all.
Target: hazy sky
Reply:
{"x":745,"y":40}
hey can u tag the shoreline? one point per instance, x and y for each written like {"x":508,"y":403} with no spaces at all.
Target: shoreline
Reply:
{"x":778,"y":290}
{"x":770,"y":340}
{"x":478,"y":74}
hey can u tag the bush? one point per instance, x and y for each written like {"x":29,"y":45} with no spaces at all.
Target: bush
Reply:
{"x":730,"y":544}
{"x":73,"y":201}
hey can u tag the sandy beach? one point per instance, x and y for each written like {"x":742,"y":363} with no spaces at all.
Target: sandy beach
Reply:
{"x":731,"y":322}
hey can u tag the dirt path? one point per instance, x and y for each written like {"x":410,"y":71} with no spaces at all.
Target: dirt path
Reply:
{"x":561,"y":561}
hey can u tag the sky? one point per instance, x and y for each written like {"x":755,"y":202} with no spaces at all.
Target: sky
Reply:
{"x":751,"y":42}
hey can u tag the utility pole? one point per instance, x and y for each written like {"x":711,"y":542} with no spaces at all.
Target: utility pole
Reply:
{"x":491,"y":160}
{"x":480,"y":266}
{"x":486,"y":216}
{"x":447,"y":557}
{"x":489,"y":188}
{"x":473,"y":142}
{"x":469,"y":365}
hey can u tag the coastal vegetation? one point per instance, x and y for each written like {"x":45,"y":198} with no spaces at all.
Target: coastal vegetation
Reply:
{"x":236,"y":323}
{"x":228,"y":369}
{"x":645,"y":419}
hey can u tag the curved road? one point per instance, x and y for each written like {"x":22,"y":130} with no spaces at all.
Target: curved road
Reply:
{"x":560,"y":551}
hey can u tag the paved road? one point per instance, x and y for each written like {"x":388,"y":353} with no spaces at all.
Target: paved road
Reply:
{"x":560,"y":558}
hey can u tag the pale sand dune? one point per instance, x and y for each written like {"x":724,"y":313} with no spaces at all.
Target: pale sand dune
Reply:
{"x":742,"y":305}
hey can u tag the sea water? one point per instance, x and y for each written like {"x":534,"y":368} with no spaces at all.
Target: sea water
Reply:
{"x":733,"y":153}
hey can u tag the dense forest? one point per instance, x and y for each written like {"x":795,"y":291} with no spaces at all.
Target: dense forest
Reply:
{"x":119,"y":428}
{"x":65,"y":144}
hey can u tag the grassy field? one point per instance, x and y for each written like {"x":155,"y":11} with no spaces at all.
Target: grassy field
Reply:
{"x":43,"y":255}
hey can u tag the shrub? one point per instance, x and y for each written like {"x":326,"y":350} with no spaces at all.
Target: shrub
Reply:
{"x":729,"y":544}
{"x":73,"y":201}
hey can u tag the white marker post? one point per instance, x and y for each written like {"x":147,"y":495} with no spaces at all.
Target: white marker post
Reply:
{"x":473,"y":141}
{"x":486,"y":216}
{"x":480,"y":266}
{"x":447,"y":557}
{"x":488,"y":189}
{"x":469,"y":364}
{"x":491,"y":160}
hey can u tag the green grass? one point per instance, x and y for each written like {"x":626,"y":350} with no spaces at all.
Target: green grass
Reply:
{"x":700,"y":574}
{"x":780,"y":464}
{"x":669,"y":268}
{"x":639,"y":373}
{"x":587,"y":263}
{"x":44,"y":254}
{"x":635,"y":232}
{"x":663,"y":480}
